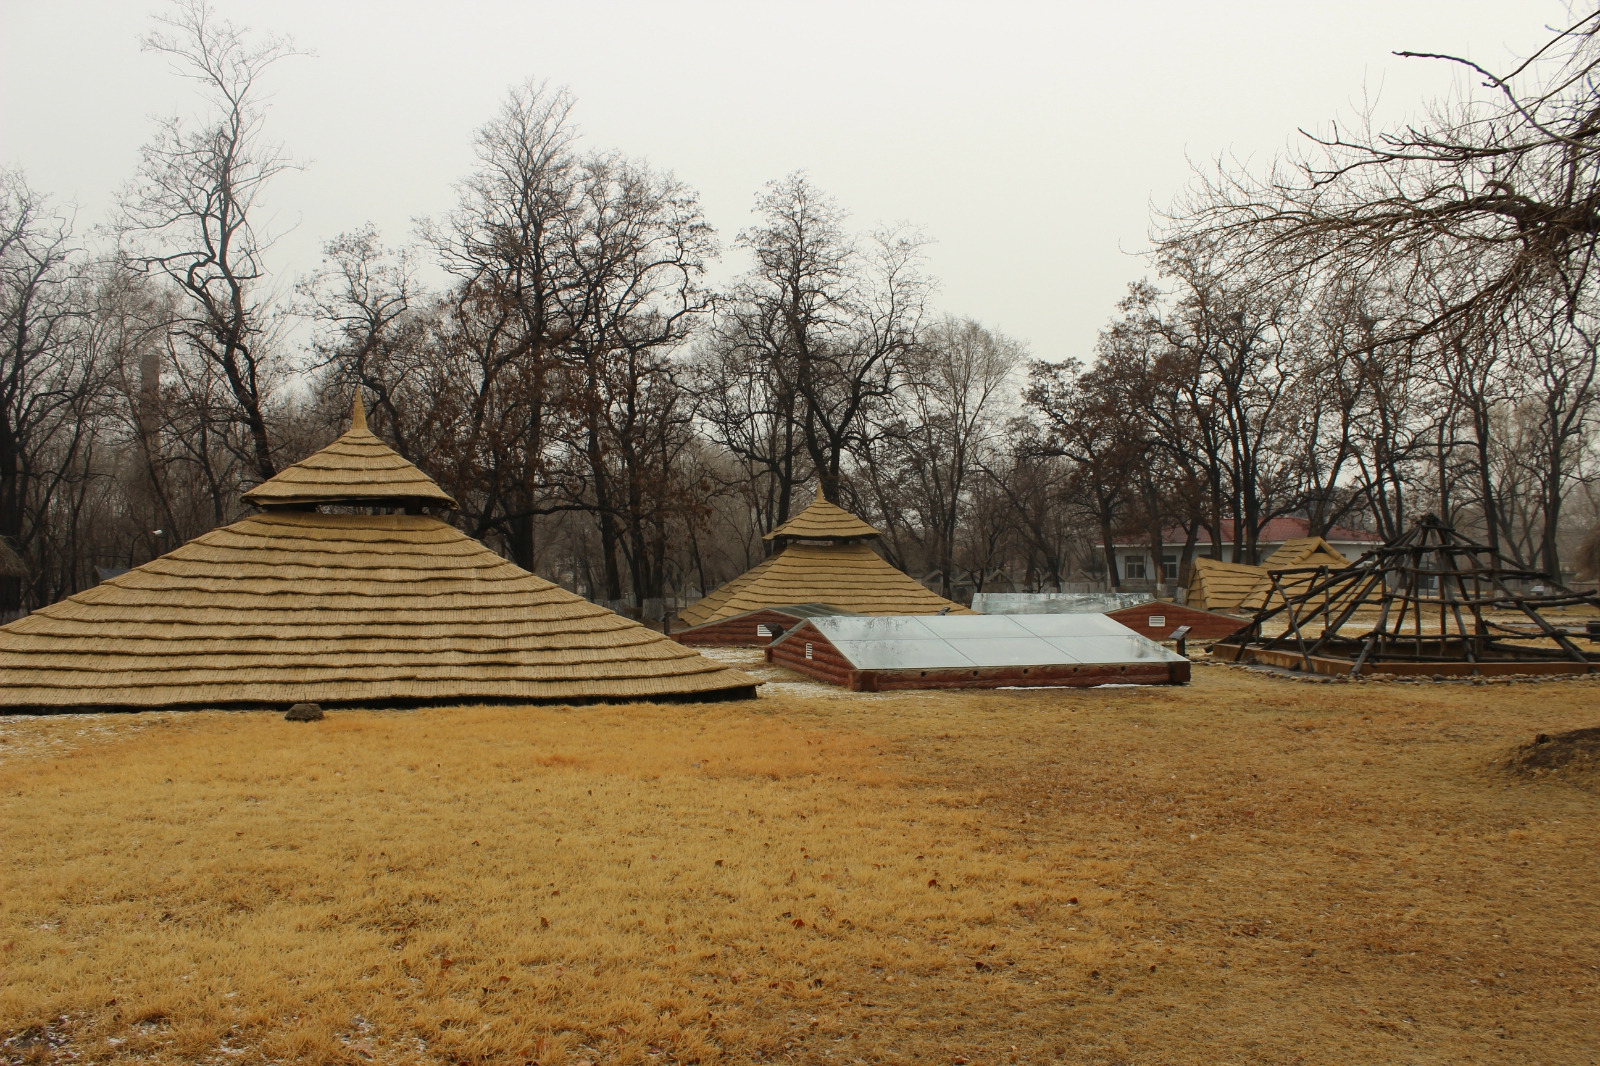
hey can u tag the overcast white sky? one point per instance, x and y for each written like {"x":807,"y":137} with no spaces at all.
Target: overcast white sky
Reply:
{"x":1027,"y":139}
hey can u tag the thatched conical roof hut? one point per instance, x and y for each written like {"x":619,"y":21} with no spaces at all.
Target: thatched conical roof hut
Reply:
{"x":294,"y":605}
{"x":823,"y":557}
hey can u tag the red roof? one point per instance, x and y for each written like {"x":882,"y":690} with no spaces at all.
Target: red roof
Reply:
{"x":1276,"y":531}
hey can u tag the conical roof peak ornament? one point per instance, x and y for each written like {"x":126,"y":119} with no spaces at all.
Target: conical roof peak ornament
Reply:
{"x":823,"y":521}
{"x":357,"y":469}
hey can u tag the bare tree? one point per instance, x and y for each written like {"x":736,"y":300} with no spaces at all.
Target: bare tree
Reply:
{"x":957,"y":381}
{"x":829,"y":314}
{"x":752,"y":412}
{"x":1558,"y":371}
{"x":1507,"y":181}
{"x":372,"y":321}
{"x":49,"y":378}
{"x":638,"y":263}
{"x":190,"y":215}
{"x":1087,"y":425}
{"x":507,"y":246}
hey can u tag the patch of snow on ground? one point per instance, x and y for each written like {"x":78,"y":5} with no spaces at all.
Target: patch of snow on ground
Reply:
{"x":35,"y":736}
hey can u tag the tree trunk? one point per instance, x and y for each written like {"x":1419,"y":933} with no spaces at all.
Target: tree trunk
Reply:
{"x":520,"y":541}
{"x":1111,"y":555}
{"x":608,"y":556}
{"x":1157,"y":550}
{"x":1186,"y":560}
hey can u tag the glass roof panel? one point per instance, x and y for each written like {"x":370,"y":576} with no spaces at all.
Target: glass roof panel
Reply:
{"x":871,"y":627}
{"x":1069,"y":625}
{"x":1016,"y":651}
{"x":972,"y":626}
{"x":901,"y":654}
{"x":930,"y":642}
{"x":1055,"y":602}
{"x":1128,"y":648}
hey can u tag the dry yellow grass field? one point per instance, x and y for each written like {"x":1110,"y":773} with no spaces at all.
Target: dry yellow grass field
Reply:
{"x":1246,"y":870}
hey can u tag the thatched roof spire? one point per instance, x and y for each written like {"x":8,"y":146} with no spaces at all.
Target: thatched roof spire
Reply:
{"x":823,"y":521}
{"x":358,"y":468}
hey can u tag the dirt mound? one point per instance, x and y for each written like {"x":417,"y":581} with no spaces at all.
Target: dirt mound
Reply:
{"x":1573,"y":756}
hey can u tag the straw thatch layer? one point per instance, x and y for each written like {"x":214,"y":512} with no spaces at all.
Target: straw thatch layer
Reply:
{"x":823,"y":521}
{"x":1214,"y":584}
{"x":704,"y":609}
{"x":1306,"y":551}
{"x":851,"y":577}
{"x":290,"y":607}
{"x":355,"y":468}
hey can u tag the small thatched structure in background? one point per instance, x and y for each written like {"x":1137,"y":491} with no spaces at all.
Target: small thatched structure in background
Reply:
{"x":294,"y":605}
{"x":1218,"y":586}
{"x":1429,"y":602}
{"x":823,"y":558}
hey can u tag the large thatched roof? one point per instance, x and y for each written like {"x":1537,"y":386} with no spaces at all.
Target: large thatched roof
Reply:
{"x":293,"y":605}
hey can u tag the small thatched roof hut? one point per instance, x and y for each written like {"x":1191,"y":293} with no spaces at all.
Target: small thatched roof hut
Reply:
{"x":823,"y":558}
{"x":295,"y":605}
{"x":1215,"y":585}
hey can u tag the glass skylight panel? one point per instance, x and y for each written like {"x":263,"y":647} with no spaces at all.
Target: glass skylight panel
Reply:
{"x":867,"y":627}
{"x":931,"y":642}
{"x":1013,"y":603}
{"x":931,"y":654}
{"x":1015,"y":651}
{"x":1128,"y":648}
{"x":973,"y":627}
{"x":1068,"y":625}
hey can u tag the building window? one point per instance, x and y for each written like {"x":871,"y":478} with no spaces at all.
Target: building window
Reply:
{"x":1133,"y":567}
{"x":1169,"y":567}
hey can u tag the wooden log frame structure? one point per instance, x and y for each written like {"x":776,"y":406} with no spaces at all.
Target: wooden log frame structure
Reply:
{"x":1431,"y":569}
{"x":807,"y":650}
